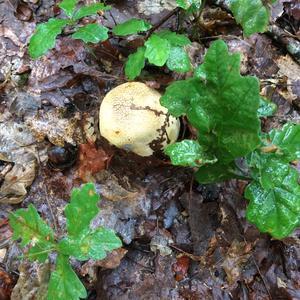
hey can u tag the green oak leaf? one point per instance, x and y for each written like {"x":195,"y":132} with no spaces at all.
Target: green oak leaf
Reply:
{"x":81,"y":210}
{"x":178,"y":60}
{"x":188,"y":153}
{"x":135,"y":63}
{"x":28,"y":226}
{"x":266,"y":108}
{"x":252,"y":15}
{"x":131,"y":26}
{"x":44,"y":37}
{"x":287,"y":141}
{"x":91,"y":244}
{"x":157,"y":50}
{"x":186,"y":4}
{"x":68,"y":6}
{"x":175,"y":39}
{"x":274,"y":198}
{"x":90,"y":10}
{"x":179,"y":95}
{"x":221,"y":104}
{"x":64,"y":283}
{"x":91,"y":33}
{"x":218,"y":172}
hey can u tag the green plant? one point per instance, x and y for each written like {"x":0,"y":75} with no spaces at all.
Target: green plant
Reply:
{"x":45,"y":35}
{"x":225,"y":107}
{"x":82,"y":242}
{"x":163,"y":47}
{"x":160,"y":48}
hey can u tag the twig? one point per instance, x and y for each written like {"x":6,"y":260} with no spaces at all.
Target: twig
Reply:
{"x":261,"y":276}
{"x":162,"y":21}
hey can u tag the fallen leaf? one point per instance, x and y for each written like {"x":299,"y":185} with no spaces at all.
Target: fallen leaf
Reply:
{"x":91,"y":160}
{"x":180,"y":268}
{"x":237,"y":255}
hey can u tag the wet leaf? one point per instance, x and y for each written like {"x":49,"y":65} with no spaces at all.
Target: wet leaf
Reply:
{"x":274,"y":198}
{"x":178,"y":60}
{"x":31,"y":228}
{"x":287,"y":141}
{"x":45,"y":36}
{"x":217,"y":172}
{"x":131,"y":26}
{"x":81,"y":210}
{"x":221,"y":104}
{"x":90,"y":10}
{"x":266,"y":108}
{"x":157,"y":50}
{"x":186,"y":4}
{"x":91,"y":160}
{"x":64,"y":283}
{"x":175,"y":39}
{"x":83,"y":242}
{"x":91,"y":33}
{"x":252,"y":15}
{"x":181,"y":267}
{"x":135,"y":63}
{"x":68,"y":6}
{"x":92,"y":244}
{"x":188,"y":153}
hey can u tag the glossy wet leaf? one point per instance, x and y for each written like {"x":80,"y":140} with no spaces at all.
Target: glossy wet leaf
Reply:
{"x":186,"y":4}
{"x":135,"y":63}
{"x":175,"y":39}
{"x":64,"y":283}
{"x":90,"y":10}
{"x":81,"y":210}
{"x":287,"y":141}
{"x":266,"y":108}
{"x":274,"y":198}
{"x":217,"y":172}
{"x":92,"y":244}
{"x":188,"y":153}
{"x":91,"y":33}
{"x":157,"y":50}
{"x":252,"y":15}
{"x":28,"y":226}
{"x":68,"y":6}
{"x":222,"y":105}
{"x":179,"y":95}
{"x":131,"y":26}
{"x":178,"y":60}
{"x":45,"y":36}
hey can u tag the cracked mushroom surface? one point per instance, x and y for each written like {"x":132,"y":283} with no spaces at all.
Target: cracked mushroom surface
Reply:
{"x":132,"y":118}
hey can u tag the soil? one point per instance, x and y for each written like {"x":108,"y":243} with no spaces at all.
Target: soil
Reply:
{"x":181,"y":239}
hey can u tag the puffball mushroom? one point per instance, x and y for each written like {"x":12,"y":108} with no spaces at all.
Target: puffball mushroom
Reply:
{"x":132,"y":118}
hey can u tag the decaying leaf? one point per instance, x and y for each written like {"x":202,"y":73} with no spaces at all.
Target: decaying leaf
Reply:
{"x":16,"y":146}
{"x":56,"y":127}
{"x":91,"y":161}
{"x":13,"y":189}
{"x":237,"y":256}
{"x":32,"y":283}
{"x":291,"y":70}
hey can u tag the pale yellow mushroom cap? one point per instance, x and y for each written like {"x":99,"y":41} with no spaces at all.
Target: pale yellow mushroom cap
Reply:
{"x":132,"y":118}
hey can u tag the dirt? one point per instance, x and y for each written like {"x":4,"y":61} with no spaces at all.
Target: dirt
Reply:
{"x":181,"y":240}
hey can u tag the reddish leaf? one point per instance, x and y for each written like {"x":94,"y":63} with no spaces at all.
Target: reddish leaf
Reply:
{"x":6,"y":285}
{"x":180,"y":268}
{"x":91,"y":160}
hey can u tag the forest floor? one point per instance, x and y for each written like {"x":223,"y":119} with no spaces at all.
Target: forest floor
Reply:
{"x":182,"y":240}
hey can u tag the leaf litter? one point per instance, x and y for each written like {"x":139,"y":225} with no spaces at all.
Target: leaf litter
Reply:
{"x":205,"y":249}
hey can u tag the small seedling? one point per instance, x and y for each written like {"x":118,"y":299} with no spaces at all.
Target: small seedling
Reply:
{"x":82,"y":242}
{"x":45,"y":35}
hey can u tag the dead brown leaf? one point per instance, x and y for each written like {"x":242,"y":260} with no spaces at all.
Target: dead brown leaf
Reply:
{"x":91,"y":160}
